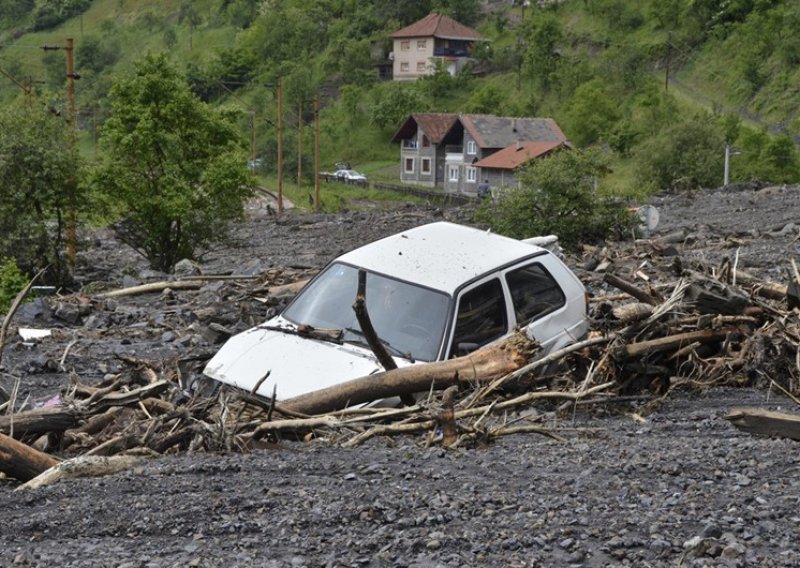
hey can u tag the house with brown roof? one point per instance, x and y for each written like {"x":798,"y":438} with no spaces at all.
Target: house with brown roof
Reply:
{"x":458,"y":151}
{"x":436,"y":38}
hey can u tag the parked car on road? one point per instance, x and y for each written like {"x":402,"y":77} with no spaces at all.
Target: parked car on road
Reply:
{"x":433,"y":292}
{"x":350,"y":176}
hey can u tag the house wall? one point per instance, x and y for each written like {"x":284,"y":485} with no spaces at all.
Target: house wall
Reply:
{"x":418,"y":163}
{"x":415,"y":60}
{"x":499,"y":178}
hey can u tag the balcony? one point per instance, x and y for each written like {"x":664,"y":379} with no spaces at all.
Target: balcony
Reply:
{"x":409,"y":144}
{"x":453,"y":149}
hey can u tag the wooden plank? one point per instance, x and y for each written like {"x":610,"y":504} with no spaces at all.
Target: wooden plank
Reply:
{"x":765,"y":422}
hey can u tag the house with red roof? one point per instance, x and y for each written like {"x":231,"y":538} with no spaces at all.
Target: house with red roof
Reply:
{"x":457,"y":152}
{"x":435,"y":39}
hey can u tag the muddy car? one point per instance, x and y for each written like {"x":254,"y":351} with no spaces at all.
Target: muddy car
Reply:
{"x":433,"y":292}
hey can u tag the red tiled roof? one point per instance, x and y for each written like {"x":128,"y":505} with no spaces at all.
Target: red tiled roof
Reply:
{"x":435,"y":124}
{"x":437,"y":25}
{"x":511,"y":157}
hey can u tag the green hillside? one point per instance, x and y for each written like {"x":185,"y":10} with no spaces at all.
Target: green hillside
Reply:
{"x":660,"y":85}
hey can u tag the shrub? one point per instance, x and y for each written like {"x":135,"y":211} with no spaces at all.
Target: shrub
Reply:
{"x":557,"y":196}
{"x":11,"y":282}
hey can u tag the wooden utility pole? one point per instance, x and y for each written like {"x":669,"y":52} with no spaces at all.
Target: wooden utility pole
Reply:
{"x":316,"y":153}
{"x":280,"y":148}
{"x":299,"y":145}
{"x":72,"y":222}
{"x":669,"y":54}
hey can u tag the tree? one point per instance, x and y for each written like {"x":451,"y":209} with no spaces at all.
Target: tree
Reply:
{"x":173,"y":165}
{"x":591,"y":113}
{"x":557,"y":196}
{"x":37,"y":173}
{"x":685,"y":155}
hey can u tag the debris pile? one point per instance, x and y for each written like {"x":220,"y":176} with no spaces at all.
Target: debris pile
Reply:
{"x":659,"y":322}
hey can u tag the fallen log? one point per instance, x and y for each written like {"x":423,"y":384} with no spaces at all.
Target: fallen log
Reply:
{"x":631,"y":289}
{"x":484,"y":365}
{"x":677,"y":341}
{"x":765,"y":422}
{"x":82,"y":466}
{"x":41,"y":420}
{"x":22,"y":462}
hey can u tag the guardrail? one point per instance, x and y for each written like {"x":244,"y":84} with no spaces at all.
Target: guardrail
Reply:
{"x":442,"y":197}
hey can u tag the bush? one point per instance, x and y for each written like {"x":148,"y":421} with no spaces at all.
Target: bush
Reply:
{"x":557,"y":196}
{"x":11,"y":282}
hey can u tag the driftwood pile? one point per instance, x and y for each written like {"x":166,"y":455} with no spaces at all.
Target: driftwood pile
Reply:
{"x":658,"y":323}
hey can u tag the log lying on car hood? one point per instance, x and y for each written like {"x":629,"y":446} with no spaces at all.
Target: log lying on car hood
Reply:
{"x":484,"y":365}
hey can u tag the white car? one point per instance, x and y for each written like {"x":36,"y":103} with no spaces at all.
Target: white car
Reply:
{"x":433,"y":292}
{"x":350,"y":176}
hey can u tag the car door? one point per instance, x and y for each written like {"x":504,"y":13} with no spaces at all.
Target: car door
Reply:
{"x":537,"y":300}
{"x":481,"y":317}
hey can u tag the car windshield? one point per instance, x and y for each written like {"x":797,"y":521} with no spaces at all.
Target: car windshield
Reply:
{"x":409,"y":318}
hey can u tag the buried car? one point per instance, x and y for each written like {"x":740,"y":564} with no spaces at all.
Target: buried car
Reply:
{"x":433,"y":292}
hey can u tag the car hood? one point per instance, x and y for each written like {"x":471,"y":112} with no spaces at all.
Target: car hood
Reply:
{"x":296,"y":364}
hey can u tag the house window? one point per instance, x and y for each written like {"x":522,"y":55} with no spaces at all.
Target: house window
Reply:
{"x":408,"y":165}
{"x":421,"y":43}
{"x":471,"y":147}
{"x":472,"y":174}
{"x":404,"y":66}
{"x":421,"y":66}
{"x":452,"y":173}
{"x":405,"y":45}
{"x":426,"y":165}
{"x":426,"y":142}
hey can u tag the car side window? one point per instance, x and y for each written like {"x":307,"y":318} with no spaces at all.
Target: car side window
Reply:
{"x":534,"y":292}
{"x":481,"y":317}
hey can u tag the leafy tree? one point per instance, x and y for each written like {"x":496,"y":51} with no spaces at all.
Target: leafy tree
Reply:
{"x":765,"y":158}
{"x":591,"y":113}
{"x":37,"y":174}
{"x":395,"y":102}
{"x":685,"y":155}
{"x":96,"y":53}
{"x":540,"y":57}
{"x":468,"y":12}
{"x":557,"y":196}
{"x":172,"y":164}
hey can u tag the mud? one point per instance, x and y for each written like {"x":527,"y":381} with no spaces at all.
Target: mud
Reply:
{"x":678,"y":486}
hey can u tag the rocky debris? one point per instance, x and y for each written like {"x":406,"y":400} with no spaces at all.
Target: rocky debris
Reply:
{"x":675,"y":486}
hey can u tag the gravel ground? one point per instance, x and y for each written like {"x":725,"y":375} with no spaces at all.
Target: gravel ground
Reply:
{"x":678,"y":486}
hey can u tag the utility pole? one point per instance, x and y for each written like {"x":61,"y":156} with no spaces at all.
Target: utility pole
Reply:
{"x":253,"y":137}
{"x":71,"y":190}
{"x":728,"y":153}
{"x":280,"y":148}
{"x":299,"y":145}
{"x":669,"y":54}
{"x":72,"y":222}
{"x":316,"y":153}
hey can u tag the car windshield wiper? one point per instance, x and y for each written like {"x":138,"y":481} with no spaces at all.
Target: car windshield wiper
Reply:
{"x":304,"y":330}
{"x":363,"y":341}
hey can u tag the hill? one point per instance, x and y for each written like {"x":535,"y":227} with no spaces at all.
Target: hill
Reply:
{"x":650,"y":81}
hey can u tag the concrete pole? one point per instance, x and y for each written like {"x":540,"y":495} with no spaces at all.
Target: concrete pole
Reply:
{"x":726,"y":175}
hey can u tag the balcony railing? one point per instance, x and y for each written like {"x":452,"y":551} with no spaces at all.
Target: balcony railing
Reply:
{"x":409,"y":144}
{"x":451,"y":52}
{"x":453,"y":149}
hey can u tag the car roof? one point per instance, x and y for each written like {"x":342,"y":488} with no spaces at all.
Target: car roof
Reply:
{"x":442,"y":255}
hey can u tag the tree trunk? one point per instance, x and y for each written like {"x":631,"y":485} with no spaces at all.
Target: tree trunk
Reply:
{"x":484,"y":365}
{"x":22,"y":462}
